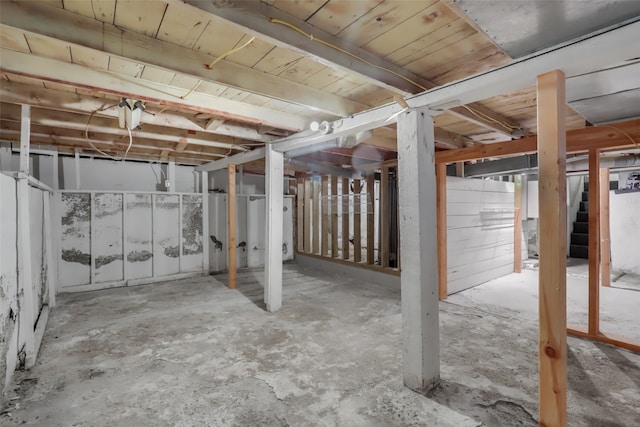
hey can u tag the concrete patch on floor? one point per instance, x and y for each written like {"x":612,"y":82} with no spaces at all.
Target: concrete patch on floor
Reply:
{"x":193,"y":352}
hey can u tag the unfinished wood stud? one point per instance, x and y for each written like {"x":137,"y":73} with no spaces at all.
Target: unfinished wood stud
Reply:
{"x":231,"y":230}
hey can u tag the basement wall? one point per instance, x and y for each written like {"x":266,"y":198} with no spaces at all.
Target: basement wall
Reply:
{"x":625,"y":231}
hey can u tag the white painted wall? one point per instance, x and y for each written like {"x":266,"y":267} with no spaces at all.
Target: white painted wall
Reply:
{"x":480,"y":215}
{"x":246,"y":183}
{"x":625,"y":231}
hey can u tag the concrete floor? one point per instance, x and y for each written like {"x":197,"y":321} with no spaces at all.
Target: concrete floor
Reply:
{"x":195,"y":353}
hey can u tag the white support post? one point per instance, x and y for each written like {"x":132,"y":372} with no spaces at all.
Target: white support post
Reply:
{"x":48,"y":236}
{"x":274,"y":224}
{"x":5,"y":156}
{"x":171,"y":177}
{"x":25,"y":287}
{"x":240,"y":179}
{"x":419,"y":280}
{"x":77,"y":167}
{"x":204,"y":185}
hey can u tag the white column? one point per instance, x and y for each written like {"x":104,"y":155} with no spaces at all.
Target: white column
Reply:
{"x":204,"y":186}
{"x":77,"y":165}
{"x":419,"y":262}
{"x":274,"y":222}
{"x":171,"y":177}
{"x":5,"y":156}
{"x":25,"y":287}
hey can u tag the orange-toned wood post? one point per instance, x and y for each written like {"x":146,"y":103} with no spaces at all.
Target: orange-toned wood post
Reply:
{"x":594,"y":241}
{"x":441,"y":217}
{"x":357,"y":237}
{"x":345,"y":219}
{"x":300,"y":215}
{"x":371,"y":202}
{"x":517,"y":225}
{"x":334,"y":217}
{"x":231,"y":223}
{"x":385,"y":217}
{"x":553,"y":249}
{"x":605,"y":234}
{"x":325,"y":216}
{"x":307,"y":215}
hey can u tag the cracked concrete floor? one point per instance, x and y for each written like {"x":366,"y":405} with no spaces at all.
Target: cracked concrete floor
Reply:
{"x":191,"y":353}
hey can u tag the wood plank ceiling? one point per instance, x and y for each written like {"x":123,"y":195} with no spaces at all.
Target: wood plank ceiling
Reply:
{"x":213,"y":86}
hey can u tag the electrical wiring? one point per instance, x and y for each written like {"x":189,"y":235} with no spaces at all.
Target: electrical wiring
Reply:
{"x":86,"y":136}
{"x":418,"y":85}
{"x":130,"y":144}
{"x":215,"y":61}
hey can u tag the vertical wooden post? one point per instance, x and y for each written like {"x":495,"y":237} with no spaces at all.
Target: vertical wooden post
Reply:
{"x":300,"y":215}
{"x":460,"y":169}
{"x":441,"y":212}
{"x":307,"y":215}
{"x":204,"y":188}
{"x":385,"y":217}
{"x":553,"y":249}
{"x":345,"y":219}
{"x":274,"y":170}
{"x":605,"y":235}
{"x":594,"y":241}
{"x":517,"y":224}
{"x":326,"y":216}
{"x":231,"y":226}
{"x":334,"y":217}
{"x":419,"y":279}
{"x":316,"y":227}
{"x":371,"y":202}
{"x":357,"y":237}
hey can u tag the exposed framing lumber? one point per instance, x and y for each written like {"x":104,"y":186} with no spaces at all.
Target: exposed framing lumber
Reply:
{"x":51,"y":70}
{"x":357,"y":234}
{"x":326,"y":216}
{"x":622,"y":342}
{"x":300,"y":215}
{"x":594,"y":241}
{"x":237,"y":159}
{"x":274,"y":184}
{"x":553,"y":250}
{"x":346,"y":249}
{"x":605,"y":232}
{"x":50,"y":99}
{"x":308,"y":191}
{"x":231,"y":227}
{"x":578,"y":141}
{"x":441,"y":223}
{"x":517,"y":224}
{"x":125,"y":44}
{"x":371,"y":202}
{"x":385,"y":217}
{"x":334,"y":217}
{"x":316,"y":225}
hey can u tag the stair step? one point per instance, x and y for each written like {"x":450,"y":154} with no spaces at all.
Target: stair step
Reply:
{"x":584,"y":206}
{"x":585,"y":186}
{"x":585,"y":196}
{"x":582,"y":217}
{"x":581,"y":227}
{"x":580,"y":239}
{"x":579,"y":251}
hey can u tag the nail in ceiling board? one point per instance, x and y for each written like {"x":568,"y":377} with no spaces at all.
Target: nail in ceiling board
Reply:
{"x":524,"y":27}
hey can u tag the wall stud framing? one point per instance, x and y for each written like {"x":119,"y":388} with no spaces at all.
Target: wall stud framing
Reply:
{"x":231,"y":227}
{"x":326,"y":216}
{"x":594,"y":241}
{"x":300,"y":215}
{"x":307,"y":215}
{"x":441,"y":214}
{"x":345,"y":219}
{"x":517,"y":224}
{"x":605,"y":234}
{"x":357,"y":237}
{"x":316,"y":225}
{"x":334,"y":217}
{"x":371,"y":200}
{"x":384,"y":217}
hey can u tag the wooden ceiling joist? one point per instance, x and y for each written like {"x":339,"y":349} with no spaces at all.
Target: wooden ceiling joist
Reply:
{"x":51,"y":70}
{"x":89,"y":33}
{"x":17,"y":93}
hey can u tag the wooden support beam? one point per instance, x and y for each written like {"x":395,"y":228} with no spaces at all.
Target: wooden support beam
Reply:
{"x":308,"y":190}
{"x":326,"y":216}
{"x":553,"y":249}
{"x":371,"y":203}
{"x":231,"y":227}
{"x":316,"y":226}
{"x":486,"y":118}
{"x":517,"y":224}
{"x":441,"y":223}
{"x":300,"y":215}
{"x":274,"y":171}
{"x":622,"y":342}
{"x":385,"y":217}
{"x":357,"y":234}
{"x":334,"y":217}
{"x":594,"y":241}
{"x":605,"y":232}
{"x":345,"y":219}
{"x":578,"y":141}
{"x":460,"y":169}
{"x":419,"y":278}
